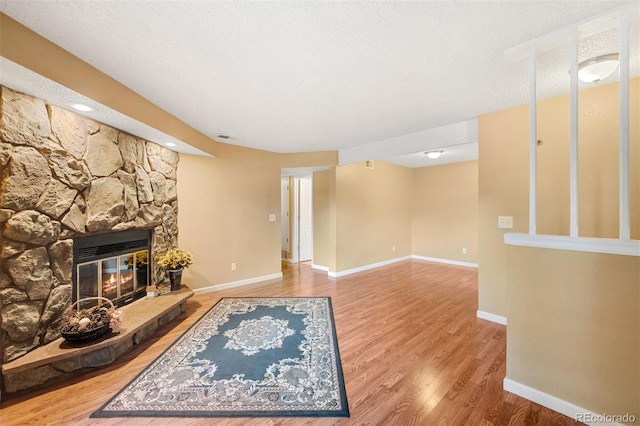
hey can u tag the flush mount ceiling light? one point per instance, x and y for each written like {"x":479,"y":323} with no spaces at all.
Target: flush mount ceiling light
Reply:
{"x":170,"y":144}
{"x":434,"y":154}
{"x":81,"y":107}
{"x":598,"y":68}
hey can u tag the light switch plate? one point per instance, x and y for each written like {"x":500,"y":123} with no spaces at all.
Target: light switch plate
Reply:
{"x":505,"y":222}
{"x":272,"y":217}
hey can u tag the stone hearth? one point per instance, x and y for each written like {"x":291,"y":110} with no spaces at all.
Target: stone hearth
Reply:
{"x":59,"y":359}
{"x":64,"y":176}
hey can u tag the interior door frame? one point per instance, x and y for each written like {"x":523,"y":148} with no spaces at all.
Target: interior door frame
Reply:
{"x":294,"y":218}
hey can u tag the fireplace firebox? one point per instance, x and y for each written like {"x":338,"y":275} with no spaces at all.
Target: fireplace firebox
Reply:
{"x":114,"y":266}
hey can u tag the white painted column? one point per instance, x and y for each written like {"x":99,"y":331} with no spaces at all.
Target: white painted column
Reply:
{"x":623,"y":41}
{"x":533,"y":142}
{"x":573,"y":153}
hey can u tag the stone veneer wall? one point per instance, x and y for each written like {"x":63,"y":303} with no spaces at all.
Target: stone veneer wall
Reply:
{"x":63,"y":176}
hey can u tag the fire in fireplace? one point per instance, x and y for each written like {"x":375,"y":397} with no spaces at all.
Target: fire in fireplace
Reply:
{"x":115,"y":266}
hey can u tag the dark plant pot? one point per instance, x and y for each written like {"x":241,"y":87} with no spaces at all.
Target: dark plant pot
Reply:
{"x":175,"y":276}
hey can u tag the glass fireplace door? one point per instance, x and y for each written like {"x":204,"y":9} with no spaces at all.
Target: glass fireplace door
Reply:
{"x":109,"y":279}
{"x":117,"y":278}
{"x":126,"y":273}
{"x":87,"y":280}
{"x":140,"y":263}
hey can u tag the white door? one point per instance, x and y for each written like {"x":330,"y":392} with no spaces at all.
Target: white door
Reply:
{"x":305,"y":219}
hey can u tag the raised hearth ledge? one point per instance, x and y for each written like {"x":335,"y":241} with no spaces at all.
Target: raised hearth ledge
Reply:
{"x":58,"y":359}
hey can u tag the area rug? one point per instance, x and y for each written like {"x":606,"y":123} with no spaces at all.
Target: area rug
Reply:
{"x":246,"y":357}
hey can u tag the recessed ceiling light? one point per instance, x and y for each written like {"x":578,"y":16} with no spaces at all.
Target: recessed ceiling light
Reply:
{"x":170,"y":144}
{"x":434,"y":154}
{"x":81,"y":107}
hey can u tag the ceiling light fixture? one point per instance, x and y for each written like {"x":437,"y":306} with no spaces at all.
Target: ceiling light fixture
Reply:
{"x":81,"y":107}
{"x":596,"y":69}
{"x":434,"y":154}
{"x":170,"y":144}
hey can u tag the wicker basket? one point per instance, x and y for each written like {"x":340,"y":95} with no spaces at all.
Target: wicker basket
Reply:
{"x":70,"y":332}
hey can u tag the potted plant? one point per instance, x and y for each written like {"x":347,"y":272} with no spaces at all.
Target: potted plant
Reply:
{"x":174,"y":261}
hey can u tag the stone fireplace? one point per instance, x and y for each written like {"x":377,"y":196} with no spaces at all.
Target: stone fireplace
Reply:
{"x":65,"y":179}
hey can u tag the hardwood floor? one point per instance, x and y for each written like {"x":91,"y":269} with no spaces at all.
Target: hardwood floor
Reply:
{"x":413,"y":353}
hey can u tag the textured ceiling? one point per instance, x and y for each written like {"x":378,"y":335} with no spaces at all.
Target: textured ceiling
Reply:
{"x":312,"y":76}
{"x":26,"y":81}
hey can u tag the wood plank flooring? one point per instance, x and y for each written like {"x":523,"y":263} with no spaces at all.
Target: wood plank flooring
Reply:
{"x":413,"y":353}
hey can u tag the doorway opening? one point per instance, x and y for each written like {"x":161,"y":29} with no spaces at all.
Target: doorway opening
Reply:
{"x":297,"y":217}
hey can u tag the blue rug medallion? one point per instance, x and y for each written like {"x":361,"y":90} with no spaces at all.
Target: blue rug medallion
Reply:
{"x":250,"y":357}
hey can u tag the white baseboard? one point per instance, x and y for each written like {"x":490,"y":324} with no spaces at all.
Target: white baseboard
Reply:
{"x":367,"y":267}
{"x":320,"y":267}
{"x":491,"y":317}
{"x":556,"y":404}
{"x":232,"y":284}
{"x":390,"y":261}
{"x":447,"y":261}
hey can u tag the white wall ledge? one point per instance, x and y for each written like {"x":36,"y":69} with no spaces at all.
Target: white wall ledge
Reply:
{"x":559,"y":242}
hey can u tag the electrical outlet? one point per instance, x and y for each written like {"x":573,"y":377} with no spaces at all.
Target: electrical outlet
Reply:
{"x":464,"y":250}
{"x":505,"y":222}
{"x":233,"y":266}
{"x":393,"y":248}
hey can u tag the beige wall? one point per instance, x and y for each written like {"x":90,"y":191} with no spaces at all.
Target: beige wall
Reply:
{"x":598,"y":163}
{"x":574,"y":324}
{"x":574,"y":327}
{"x":321,"y":220}
{"x":502,"y":190}
{"x":504,"y":177}
{"x":445,"y":211}
{"x":333,"y":220}
{"x":360,"y":214}
{"x":224,"y":206}
{"x":372,"y":214}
